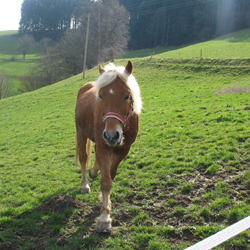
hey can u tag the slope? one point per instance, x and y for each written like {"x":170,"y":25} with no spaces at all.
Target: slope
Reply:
{"x":11,"y":63}
{"x":233,"y":45}
{"x":186,"y":177}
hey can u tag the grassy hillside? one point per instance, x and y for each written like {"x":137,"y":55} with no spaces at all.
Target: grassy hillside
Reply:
{"x":11,"y":62}
{"x":233,"y":45}
{"x":186,"y":177}
{"x":8,"y":42}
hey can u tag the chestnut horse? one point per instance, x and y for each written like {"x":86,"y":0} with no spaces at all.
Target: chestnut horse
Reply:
{"x":107,"y":114}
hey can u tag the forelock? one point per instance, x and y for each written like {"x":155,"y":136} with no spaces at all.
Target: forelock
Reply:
{"x":110,"y":75}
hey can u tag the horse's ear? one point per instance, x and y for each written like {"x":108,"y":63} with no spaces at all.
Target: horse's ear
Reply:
{"x":129,"y":67}
{"x":101,"y":69}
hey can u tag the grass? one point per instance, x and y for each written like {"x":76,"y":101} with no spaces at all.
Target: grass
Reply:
{"x":186,"y":177}
{"x":11,"y":62}
{"x":221,"y":54}
{"x":233,"y":45}
{"x":147,"y":52}
{"x":7,"y":42}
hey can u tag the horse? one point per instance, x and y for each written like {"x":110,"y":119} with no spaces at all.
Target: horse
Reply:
{"x":107,"y":113}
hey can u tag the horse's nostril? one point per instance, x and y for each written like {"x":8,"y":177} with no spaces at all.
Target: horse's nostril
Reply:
{"x":111,"y":137}
{"x":117,"y":136}
{"x":105,"y":136}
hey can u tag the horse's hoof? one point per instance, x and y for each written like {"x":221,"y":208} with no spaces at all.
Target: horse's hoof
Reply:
{"x":85,"y":190}
{"x":93,"y":173}
{"x":103,"y":227}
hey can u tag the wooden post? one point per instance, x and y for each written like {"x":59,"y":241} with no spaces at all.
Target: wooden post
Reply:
{"x":86,"y":48}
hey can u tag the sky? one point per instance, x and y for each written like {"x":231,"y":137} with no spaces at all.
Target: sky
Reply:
{"x":10,"y":14}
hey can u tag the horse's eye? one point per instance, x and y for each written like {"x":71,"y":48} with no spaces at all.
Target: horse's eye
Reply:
{"x":127,"y":97}
{"x":100,"y":96}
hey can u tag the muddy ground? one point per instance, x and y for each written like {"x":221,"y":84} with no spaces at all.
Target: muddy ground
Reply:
{"x":153,"y":204}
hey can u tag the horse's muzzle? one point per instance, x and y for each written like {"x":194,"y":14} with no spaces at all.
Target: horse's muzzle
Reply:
{"x":113,"y":138}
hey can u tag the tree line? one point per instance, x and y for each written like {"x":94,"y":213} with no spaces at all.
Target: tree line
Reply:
{"x":37,"y":15}
{"x":151,"y":23}
{"x":156,"y":23}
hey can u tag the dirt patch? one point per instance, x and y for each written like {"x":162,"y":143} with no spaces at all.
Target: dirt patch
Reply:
{"x":233,"y":89}
{"x":59,"y":203}
{"x":163,"y":207}
{"x":161,"y":212}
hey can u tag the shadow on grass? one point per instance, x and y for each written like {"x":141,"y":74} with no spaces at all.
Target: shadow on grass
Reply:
{"x":60,"y":222}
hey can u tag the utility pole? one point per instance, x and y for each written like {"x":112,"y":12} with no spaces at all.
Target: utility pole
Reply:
{"x":86,"y":47}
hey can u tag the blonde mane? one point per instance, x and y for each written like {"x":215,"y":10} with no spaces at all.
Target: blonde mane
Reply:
{"x":110,"y":75}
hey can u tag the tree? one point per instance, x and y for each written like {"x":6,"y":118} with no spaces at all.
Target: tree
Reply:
{"x":49,"y":67}
{"x":108,"y":35}
{"x":24,"y":44}
{"x":47,"y":71}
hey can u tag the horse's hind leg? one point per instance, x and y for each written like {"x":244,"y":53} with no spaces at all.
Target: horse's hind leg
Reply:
{"x":93,"y":172}
{"x":83,"y":150}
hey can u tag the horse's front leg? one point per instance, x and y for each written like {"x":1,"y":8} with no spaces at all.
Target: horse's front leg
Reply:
{"x":104,"y":222}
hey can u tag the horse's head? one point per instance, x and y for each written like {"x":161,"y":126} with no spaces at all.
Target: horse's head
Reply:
{"x":116,"y":104}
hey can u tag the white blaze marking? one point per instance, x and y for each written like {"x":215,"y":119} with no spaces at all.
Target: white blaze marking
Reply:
{"x":111,"y":91}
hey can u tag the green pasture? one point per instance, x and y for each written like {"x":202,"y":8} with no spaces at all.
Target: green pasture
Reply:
{"x":233,"y":45}
{"x":14,"y":67}
{"x":11,"y":62}
{"x":187,"y":176}
{"x":7,"y":43}
{"x":8,"y":32}
{"x":147,"y":52}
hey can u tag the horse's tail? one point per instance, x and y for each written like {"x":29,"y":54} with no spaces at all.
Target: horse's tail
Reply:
{"x":88,"y":152}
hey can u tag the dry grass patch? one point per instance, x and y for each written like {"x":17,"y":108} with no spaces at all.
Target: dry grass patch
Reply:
{"x":233,"y":89}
